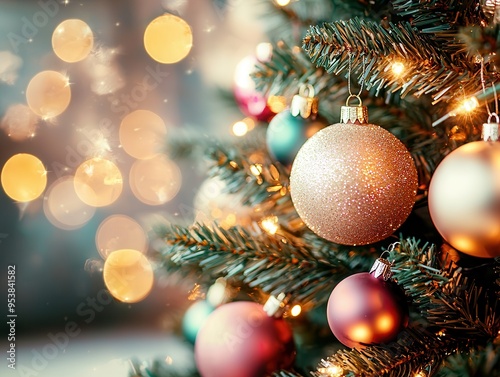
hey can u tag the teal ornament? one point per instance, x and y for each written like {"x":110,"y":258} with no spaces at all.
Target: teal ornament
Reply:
{"x":194,"y":318}
{"x":291,"y":128}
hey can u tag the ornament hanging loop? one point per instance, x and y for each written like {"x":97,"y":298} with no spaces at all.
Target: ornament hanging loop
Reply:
{"x":306,"y":88}
{"x":354,"y":96}
{"x":493,"y":115}
{"x":354,"y":114}
{"x":304,"y":104}
{"x":490,"y":130}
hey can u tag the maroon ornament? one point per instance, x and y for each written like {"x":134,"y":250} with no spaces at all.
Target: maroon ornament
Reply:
{"x":251,"y":102}
{"x":365,"y":309}
{"x":241,"y":339}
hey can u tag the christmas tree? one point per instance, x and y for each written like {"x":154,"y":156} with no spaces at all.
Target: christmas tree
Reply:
{"x":427,"y":72}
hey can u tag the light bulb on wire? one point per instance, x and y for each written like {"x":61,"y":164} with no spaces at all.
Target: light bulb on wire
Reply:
{"x":398,"y":68}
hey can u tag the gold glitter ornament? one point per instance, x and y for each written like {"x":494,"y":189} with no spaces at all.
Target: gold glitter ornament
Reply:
{"x":353,"y":183}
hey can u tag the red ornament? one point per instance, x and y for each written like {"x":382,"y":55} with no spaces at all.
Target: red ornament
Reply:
{"x":240,"y":339}
{"x":251,"y":102}
{"x":364,"y":309}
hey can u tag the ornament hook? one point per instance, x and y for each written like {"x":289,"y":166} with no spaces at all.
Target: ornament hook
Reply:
{"x":354,"y":96}
{"x":304,"y":104}
{"x":495,"y":115}
{"x":306,"y":87}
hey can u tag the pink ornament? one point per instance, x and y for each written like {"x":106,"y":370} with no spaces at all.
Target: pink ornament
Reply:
{"x":250,"y":101}
{"x":363,"y":309}
{"x":240,"y":339}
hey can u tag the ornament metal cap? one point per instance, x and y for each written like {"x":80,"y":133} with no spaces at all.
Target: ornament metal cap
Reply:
{"x":354,"y":114}
{"x":490,"y":130}
{"x":381,"y":268}
{"x":274,"y":306}
{"x":304,"y":104}
{"x":218,"y":293}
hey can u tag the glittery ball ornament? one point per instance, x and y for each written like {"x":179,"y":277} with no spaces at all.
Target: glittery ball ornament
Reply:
{"x":288,"y":130}
{"x":240,"y":339}
{"x":464,"y":196}
{"x":353,"y":183}
{"x":365,"y":309}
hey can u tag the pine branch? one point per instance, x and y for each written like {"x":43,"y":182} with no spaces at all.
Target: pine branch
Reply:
{"x":446,"y":299}
{"x":290,"y":22}
{"x":258,"y":180}
{"x":275,"y":264}
{"x":156,"y":368}
{"x":483,"y":362}
{"x":431,"y":67}
{"x":413,"y":351}
{"x":440,"y":16}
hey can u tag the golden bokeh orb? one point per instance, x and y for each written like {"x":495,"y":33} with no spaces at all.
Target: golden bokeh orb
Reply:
{"x":63,"y":208}
{"x":24,"y":177}
{"x":72,"y":40}
{"x":142,"y":134}
{"x":19,"y":122}
{"x":98,"y":182}
{"x":128,"y":275}
{"x":155,"y":181}
{"x":168,"y":39}
{"x":48,"y":94}
{"x":118,"y":232}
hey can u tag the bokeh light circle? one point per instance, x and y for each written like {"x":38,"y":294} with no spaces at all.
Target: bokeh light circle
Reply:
{"x":168,"y":39}
{"x":63,"y":208}
{"x":98,"y":182}
{"x":156,"y":180}
{"x":23,"y":177}
{"x":72,"y":40}
{"x":120,"y":232}
{"x":19,"y":122}
{"x":48,"y":94}
{"x":128,"y":275}
{"x":142,"y":134}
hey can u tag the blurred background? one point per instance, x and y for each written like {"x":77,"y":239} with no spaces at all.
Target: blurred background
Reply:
{"x":52,"y":239}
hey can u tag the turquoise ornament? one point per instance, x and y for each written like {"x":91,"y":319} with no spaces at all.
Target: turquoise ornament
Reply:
{"x":292,"y":127}
{"x":194,"y":318}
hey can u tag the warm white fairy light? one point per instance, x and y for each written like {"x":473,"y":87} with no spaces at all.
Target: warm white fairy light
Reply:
{"x":468,"y":105}
{"x":276,"y":103}
{"x":264,"y":51}
{"x":296,"y":310}
{"x":332,"y":371}
{"x":398,"y":68}
{"x":240,"y":128}
{"x":282,"y":3}
{"x":270,"y":224}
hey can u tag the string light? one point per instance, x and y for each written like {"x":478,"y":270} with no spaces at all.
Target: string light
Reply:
{"x":270,"y":224}
{"x":282,"y":3}
{"x":468,"y":105}
{"x":398,"y":68}
{"x":264,"y":51}
{"x":240,"y":128}
{"x":420,"y":374}
{"x":256,"y":169}
{"x":296,"y":310}
{"x":333,"y":370}
{"x":276,"y":103}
